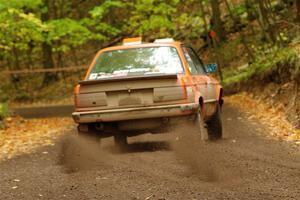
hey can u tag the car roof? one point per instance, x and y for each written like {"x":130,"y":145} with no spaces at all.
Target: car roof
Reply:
{"x":142,"y":45}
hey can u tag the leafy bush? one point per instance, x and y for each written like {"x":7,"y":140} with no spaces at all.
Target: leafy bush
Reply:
{"x":3,"y":114}
{"x":269,"y":61}
{"x":3,"y":110}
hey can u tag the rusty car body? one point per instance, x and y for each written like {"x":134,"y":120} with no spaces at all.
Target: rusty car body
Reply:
{"x":141,"y":87}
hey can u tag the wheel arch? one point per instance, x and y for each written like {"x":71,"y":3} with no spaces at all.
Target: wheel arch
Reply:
{"x":201,"y":103}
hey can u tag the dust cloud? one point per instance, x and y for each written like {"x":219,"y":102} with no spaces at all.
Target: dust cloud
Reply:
{"x":209,"y":161}
{"x":81,"y":153}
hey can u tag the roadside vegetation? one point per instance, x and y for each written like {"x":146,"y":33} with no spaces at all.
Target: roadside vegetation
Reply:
{"x":273,"y":118}
{"x":3,"y":114}
{"x":24,"y":136}
{"x":277,"y":63}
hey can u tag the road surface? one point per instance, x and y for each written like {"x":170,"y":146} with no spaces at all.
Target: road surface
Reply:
{"x":244,"y":165}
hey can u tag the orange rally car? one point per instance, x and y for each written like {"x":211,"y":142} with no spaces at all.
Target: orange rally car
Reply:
{"x":141,"y":87}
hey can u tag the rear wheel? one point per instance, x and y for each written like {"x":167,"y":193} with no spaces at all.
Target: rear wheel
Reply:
{"x":120,"y":141}
{"x":214,"y":125}
{"x":199,"y":125}
{"x":86,"y":131}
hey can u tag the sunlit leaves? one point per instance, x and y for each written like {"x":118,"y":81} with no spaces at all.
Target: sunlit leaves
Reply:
{"x":193,"y":23}
{"x":21,"y":26}
{"x":100,"y":11}
{"x":68,"y":32}
{"x":239,"y":10}
{"x":153,"y":16}
{"x":19,"y":29}
{"x":3,"y":110}
{"x":19,"y":4}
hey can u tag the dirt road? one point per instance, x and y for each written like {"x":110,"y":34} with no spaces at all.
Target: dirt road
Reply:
{"x":245,"y":165}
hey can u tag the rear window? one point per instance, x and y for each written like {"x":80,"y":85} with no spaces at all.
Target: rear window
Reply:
{"x":136,"y":62}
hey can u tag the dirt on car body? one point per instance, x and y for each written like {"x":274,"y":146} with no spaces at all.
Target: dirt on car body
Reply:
{"x":141,"y":87}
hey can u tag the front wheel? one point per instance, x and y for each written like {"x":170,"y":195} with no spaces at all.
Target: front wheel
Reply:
{"x":214,"y":125}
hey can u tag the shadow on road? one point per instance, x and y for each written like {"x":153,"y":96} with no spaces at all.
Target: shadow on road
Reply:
{"x":137,"y":147}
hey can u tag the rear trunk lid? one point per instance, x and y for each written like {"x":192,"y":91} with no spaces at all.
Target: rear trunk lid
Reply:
{"x":138,"y":91}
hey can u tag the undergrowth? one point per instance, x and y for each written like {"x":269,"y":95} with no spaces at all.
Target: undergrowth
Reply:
{"x":30,"y":89}
{"x":3,"y":114}
{"x":277,"y":64}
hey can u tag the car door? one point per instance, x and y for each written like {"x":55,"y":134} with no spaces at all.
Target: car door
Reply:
{"x":203,"y":82}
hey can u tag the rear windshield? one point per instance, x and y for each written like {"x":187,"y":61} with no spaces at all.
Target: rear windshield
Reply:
{"x":136,"y":62}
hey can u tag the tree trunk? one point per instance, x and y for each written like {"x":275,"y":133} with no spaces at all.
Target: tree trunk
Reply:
{"x":263,"y":13}
{"x":29,"y":58}
{"x":266,"y":26}
{"x":16,"y":55}
{"x":15,"y":78}
{"x":48,"y":64}
{"x":74,"y":54}
{"x":217,"y":24}
{"x":298,"y":11}
{"x":205,"y":24}
{"x":47,"y":52}
{"x":236,"y":21}
{"x":249,"y":9}
{"x":61,"y":64}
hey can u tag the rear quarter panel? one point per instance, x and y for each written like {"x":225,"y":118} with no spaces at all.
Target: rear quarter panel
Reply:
{"x":205,"y":87}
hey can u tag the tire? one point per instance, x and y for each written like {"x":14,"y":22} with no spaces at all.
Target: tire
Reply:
{"x":199,"y":125}
{"x":214,"y":125}
{"x":120,"y":141}
{"x":87,"y":132}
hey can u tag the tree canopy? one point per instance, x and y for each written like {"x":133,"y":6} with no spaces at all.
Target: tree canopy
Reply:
{"x":61,"y":33}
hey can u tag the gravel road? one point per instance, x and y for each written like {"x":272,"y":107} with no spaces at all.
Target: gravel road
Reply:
{"x":244,"y":165}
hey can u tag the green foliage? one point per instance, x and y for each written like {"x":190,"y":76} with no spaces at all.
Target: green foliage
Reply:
{"x":99,"y":12}
{"x":72,"y":25}
{"x":153,"y":17}
{"x":239,"y":10}
{"x":3,"y":110}
{"x":18,"y":30}
{"x":193,"y":23}
{"x":268,"y":60}
{"x":3,"y":114}
{"x":229,"y":51}
{"x":19,"y":4}
{"x":68,"y":33}
{"x":22,"y":29}
{"x":97,"y":23}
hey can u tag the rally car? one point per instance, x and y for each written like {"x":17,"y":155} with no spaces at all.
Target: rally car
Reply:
{"x":142,"y":87}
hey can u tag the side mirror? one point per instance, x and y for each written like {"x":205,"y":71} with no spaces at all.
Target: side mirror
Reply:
{"x":211,"y":68}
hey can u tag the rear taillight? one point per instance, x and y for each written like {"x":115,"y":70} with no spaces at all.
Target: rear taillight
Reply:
{"x":76,"y":92}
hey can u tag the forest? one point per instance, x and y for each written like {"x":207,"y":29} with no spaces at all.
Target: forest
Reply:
{"x":46,"y":45}
{"x":46,"y":152}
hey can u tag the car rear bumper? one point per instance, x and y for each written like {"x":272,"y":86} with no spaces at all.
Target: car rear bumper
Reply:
{"x":134,"y":113}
